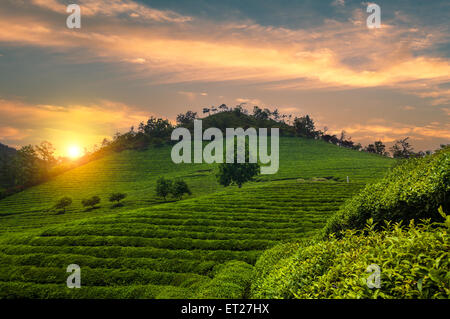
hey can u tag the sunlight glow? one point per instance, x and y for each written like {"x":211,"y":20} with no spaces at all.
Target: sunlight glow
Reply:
{"x":74,"y":151}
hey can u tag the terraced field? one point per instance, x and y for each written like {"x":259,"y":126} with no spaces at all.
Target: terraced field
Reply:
{"x":135,"y":174}
{"x":168,"y":250}
{"x":202,"y":246}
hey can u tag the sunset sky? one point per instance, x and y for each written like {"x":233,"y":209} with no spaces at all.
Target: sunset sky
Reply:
{"x":134,"y":59}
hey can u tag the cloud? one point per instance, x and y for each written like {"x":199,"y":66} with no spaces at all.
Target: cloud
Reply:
{"x":192,"y":95}
{"x":335,"y":54}
{"x":85,"y":124}
{"x":12,"y":133}
{"x":408,"y":108}
{"x":250,"y":102}
{"x":338,"y":3}
{"x":114,"y":8}
{"x":163,"y":46}
{"x":136,"y":60}
{"x":395,"y":131}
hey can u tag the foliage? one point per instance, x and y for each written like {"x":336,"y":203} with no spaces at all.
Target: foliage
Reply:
{"x":91,"y":202}
{"x":167,"y":250}
{"x":135,"y":173}
{"x":163,"y":187}
{"x":117,"y":197}
{"x":304,"y":126}
{"x":402,"y":149}
{"x":231,"y":281}
{"x":238,"y":173}
{"x":63,"y":203}
{"x":179,"y":188}
{"x":377,"y":148}
{"x":413,"y":190}
{"x":414,"y":263}
{"x":186,"y":119}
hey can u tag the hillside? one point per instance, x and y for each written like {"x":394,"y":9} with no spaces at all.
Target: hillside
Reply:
{"x":150,"y":249}
{"x":399,"y":224}
{"x":135,"y":173}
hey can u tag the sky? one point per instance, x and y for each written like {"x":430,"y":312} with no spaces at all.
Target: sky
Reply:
{"x":134,"y":59}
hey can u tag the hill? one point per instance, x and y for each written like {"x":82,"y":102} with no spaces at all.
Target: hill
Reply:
{"x":398,"y":224}
{"x":182,"y":249}
{"x":135,"y":173}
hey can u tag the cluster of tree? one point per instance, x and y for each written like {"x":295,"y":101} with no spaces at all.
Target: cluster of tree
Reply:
{"x":27,"y":166}
{"x":176,"y":188}
{"x":156,"y":131}
{"x":6,"y":155}
{"x":89,"y":203}
{"x":400,"y":149}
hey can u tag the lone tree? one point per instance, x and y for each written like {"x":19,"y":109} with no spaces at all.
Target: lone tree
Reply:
{"x":163,"y":187}
{"x":402,"y":149}
{"x":179,"y":188}
{"x":63,"y":203}
{"x":117,"y":197}
{"x":237,"y":173}
{"x":91,"y":202}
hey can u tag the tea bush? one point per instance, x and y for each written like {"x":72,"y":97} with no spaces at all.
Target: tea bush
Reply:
{"x":231,"y":280}
{"x":412,"y":190}
{"x":414,"y":263}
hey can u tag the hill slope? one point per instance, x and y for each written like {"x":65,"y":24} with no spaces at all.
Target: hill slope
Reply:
{"x":175,"y":245}
{"x":135,"y":173}
{"x":182,"y":249}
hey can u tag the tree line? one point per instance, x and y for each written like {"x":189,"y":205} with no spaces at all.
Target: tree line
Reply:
{"x":31,"y":165}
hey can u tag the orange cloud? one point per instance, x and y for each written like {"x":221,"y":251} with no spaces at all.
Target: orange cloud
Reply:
{"x":81,"y":124}
{"x":113,"y":8}
{"x":398,"y":130}
{"x":246,"y":51}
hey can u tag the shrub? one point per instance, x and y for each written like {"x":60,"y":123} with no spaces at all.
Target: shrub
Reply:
{"x":91,"y":202}
{"x":412,"y":190}
{"x":231,"y":281}
{"x":63,"y":203}
{"x":414,"y":263}
{"x":163,"y":187}
{"x":117,"y":197}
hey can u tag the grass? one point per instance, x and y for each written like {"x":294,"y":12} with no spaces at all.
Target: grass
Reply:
{"x":184,"y":249}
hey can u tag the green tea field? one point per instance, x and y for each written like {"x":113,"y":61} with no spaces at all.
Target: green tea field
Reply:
{"x":178,"y":249}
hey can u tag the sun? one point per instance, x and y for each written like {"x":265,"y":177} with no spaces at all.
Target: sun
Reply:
{"x":74,"y":151}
